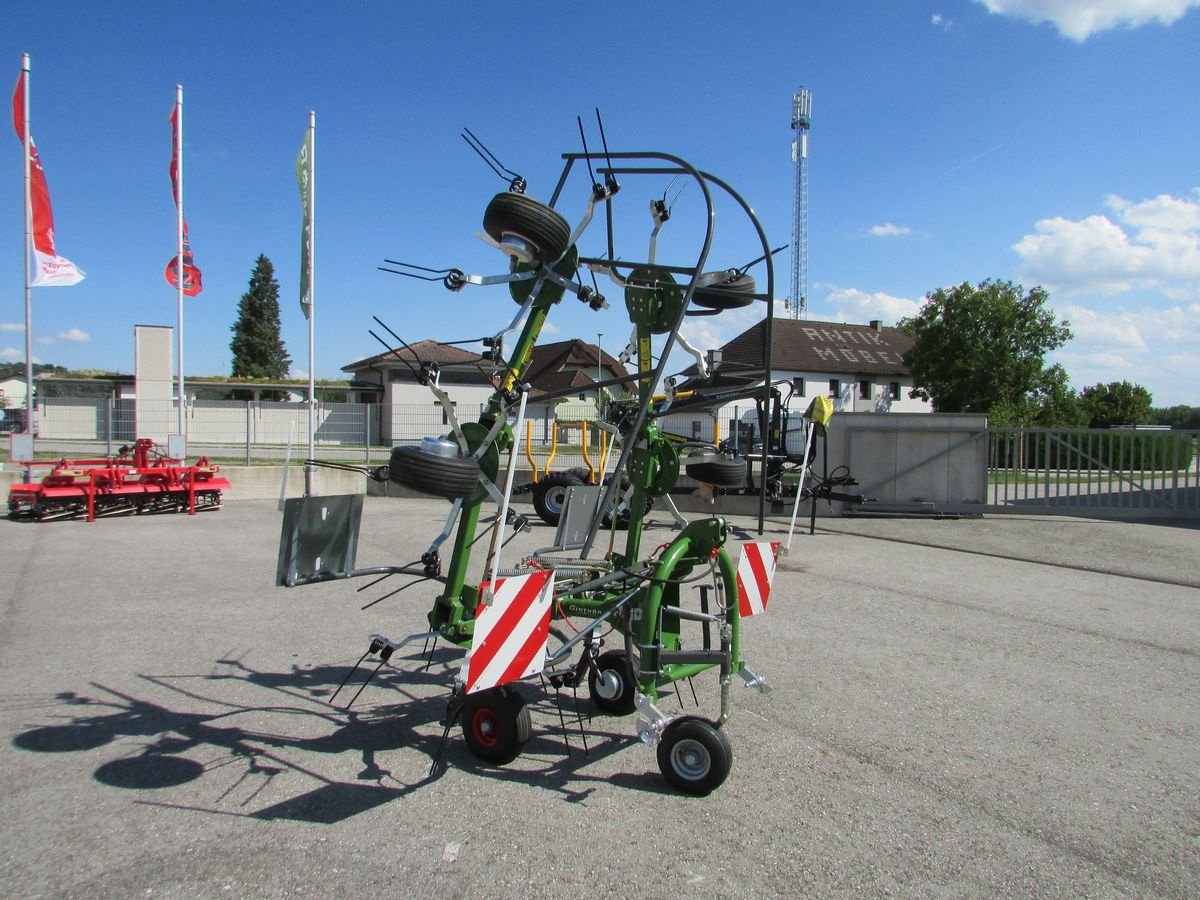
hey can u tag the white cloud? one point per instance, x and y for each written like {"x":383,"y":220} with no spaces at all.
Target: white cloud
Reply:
{"x":11,"y":326}
{"x":1080,"y":19}
{"x":1151,"y":347}
{"x":887,"y":229}
{"x":74,"y":334}
{"x":11,"y":354}
{"x":937,"y":20}
{"x":853,"y":305}
{"x":1153,"y":245}
{"x":44,"y":341}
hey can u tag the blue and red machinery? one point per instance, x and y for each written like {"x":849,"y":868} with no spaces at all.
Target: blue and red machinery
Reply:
{"x":139,"y":479}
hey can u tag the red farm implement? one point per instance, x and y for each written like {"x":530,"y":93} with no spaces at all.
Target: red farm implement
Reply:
{"x":139,"y":479}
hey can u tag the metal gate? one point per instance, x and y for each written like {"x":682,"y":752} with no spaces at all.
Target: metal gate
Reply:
{"x":1106,"y":473}
{"x":949,"y":464}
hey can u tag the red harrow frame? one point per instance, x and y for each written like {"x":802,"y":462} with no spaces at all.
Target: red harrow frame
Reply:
{"x":139,"y":479}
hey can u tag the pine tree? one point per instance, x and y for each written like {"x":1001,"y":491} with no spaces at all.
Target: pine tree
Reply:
{"x":258,"y":350}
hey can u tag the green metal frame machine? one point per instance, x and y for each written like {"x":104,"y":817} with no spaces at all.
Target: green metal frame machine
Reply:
{"x":673,"y":613}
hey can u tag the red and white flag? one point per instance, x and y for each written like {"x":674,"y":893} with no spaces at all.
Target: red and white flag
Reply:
{"x":51,"y":270}
{"x":755,"y":572}
{"x":511,"y":633}
{"x":192,"y":284}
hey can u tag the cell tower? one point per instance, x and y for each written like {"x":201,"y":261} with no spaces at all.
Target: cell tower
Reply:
{"x":801,"y":119}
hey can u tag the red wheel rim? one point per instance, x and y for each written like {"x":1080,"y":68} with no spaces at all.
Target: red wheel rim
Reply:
{"x":485,"y":728}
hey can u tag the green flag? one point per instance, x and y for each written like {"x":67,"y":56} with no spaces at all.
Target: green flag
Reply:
{"x":304,"y":179}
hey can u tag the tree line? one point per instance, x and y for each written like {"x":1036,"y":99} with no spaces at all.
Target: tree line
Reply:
{"x":982,"y":349}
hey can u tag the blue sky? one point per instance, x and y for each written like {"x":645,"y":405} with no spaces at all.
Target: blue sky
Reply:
{"x":1049,"y":142}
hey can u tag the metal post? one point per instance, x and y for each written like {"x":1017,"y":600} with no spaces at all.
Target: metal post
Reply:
{"x":108,"y":427}
{"x":366,"y":433}
{"x":247,"y":432}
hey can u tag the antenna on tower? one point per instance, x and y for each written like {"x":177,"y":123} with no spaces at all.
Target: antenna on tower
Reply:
{"x":801,"y":119}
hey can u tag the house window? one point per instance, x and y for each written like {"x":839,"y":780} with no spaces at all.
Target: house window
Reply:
{"x":798,"y":386}
{"x":835,"y":387}
{"x":864,"y":390}
{"x":894,"y":387}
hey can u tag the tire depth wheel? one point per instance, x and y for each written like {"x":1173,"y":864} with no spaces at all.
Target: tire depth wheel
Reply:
{"x":540,"y":233}
{"x":550,"y":494}
{"x":726,"y":473}
{"x":441,"y":476}
{"x":609,"y":684}
{"x":694,"y":755}
{"x":496,"y":724}
{"x":725,"y":290}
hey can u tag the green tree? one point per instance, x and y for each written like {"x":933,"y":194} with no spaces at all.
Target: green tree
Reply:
{"x":1180,"y":416}
{"x":1116,"y":403}
{"x":981,"y":349}
{"x":258,"y":350}
{"x":1056,"y":405}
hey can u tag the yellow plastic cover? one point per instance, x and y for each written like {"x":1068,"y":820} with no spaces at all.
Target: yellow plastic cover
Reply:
{"x":820,"y":410}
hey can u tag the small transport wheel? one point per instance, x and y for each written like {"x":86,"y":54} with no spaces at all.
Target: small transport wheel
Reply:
{"x":609,"y":684}
{"x":724,"y":290}
{"x":429,"y":473}
{"x":550,"y":493}
{"x":727,"y":473}
{"x":530,"y":231}
{"x":694,"y":755}
{"x":496,"y":724}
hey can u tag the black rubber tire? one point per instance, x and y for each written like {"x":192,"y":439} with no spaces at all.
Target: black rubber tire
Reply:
{"x":621,"y":703}
{"x":439,"y":476}
{"x":550,"y":493}
{"x":694,"y":755}
{"x":726,"y":473}
{"x":530,"y":220}
{"x":496,"y":724}
{"x":581,"y":473}
{"x":733,"y":292}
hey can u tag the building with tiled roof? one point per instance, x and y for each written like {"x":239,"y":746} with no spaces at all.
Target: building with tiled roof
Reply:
{"x":861,"y":367}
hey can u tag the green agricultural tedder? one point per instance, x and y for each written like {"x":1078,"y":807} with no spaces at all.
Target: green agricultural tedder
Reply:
{"x":677,"y":611}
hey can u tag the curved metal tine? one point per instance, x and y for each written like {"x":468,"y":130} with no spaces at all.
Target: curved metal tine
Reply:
{"x":434,"y":277}
{"x":392,"y":350}
{"x":516,"y":183}
{"x":587,"y":157}
{"x":754,"y":262}
{"x":610,"y":180}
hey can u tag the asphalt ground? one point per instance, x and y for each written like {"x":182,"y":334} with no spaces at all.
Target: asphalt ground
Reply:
{"x":960,"y":708}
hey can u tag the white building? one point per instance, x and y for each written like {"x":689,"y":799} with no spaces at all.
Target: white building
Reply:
{"x":860,"y":367}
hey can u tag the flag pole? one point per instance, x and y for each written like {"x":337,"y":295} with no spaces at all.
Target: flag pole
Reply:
{"x":29,"y":250}
{"x":312,"y":217}
{"x":28,"y":141}
{"x":179,"y":253}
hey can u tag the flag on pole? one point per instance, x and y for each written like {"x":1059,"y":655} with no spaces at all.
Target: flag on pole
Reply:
{"x":191,"y":275}
{"x":304,"y":180}
{"x":52,"y":270}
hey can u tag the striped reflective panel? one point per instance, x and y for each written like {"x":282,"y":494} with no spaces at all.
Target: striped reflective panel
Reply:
{"x":510,"y":634}
{"x":756,"y":569}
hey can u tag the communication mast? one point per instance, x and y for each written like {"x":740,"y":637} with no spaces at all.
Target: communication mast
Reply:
{"x":801,"y":119}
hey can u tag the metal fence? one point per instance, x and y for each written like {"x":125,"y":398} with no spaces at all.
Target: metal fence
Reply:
{"x":1093,"y":471}
{"x":250,"y":431}
{"x":1096,"y":471}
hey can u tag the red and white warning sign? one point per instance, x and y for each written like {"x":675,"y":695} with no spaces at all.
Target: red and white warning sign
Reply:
{"x":511,"y":633}
{"x":755,"y":571}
